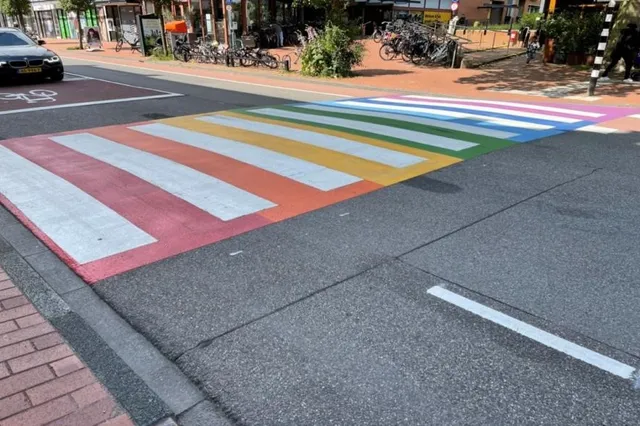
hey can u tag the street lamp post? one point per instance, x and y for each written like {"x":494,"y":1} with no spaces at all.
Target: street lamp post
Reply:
{"x":602,"y":46}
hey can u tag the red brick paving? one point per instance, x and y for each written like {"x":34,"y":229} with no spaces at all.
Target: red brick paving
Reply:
{"x":41,"y":381}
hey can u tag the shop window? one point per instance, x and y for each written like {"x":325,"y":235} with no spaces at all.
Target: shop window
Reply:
{"x":445,"y":4}
{"x":432,"y":4}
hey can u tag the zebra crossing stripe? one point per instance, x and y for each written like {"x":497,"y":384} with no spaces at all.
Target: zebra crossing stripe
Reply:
{"x":361,"y":106}
{"x":206,"y":192}
{"x":354,"y":166}
{"x":547,"y":108}
{"x":77,"y":223}
{"x":302,"y":171}
{"x":503,"y":111}
{"x":409,"y":135}
{"x":416,"y":106}
{"x":384,"y":156}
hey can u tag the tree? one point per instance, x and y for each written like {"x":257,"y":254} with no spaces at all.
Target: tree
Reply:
{"x":335,"y":10}
{"x":78,"y":7}
{"x":16,"y":8}
{"x":159,"y":7}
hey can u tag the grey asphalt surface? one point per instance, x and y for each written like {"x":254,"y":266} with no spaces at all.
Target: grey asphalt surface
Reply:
{"x":325,"y":319}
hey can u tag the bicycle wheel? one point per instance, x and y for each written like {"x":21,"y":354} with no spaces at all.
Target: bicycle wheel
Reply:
{"x":387,"y":53}
{"x":248,"y":61}
{"x":270,"y":61}
{"x":119,"y":46}
{"x":407,"y":52}
{"x":377,"y":37}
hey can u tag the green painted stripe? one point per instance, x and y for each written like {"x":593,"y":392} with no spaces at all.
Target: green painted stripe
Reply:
{"x":485,"y":144}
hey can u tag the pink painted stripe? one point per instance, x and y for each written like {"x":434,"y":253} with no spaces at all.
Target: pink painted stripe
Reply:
{"x":523,"y":108}
{"x":177,"y":225}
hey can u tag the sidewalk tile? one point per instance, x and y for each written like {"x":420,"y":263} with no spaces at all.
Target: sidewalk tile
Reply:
{"x":42,"y":414}
{"x":6,"y":327}
{"x":16,"y":350}
{"x":25,"y":334}
{"x":13,"y":404}
{"x":19,"y":382}
{"x":30,"y":320}
{"x":47,"y":341}
{"x":14,"y":302}
{"x":60,"y":386}
{"x":90,"y":415}
{"x":67,"y":365}
{"x":9,"y":293}
{"x":39,"y":358}
{"x":18,"y":312}
{"x":122,"y":420}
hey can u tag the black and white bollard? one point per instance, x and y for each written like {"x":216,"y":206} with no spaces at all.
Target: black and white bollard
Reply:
{"x":602,"y":46}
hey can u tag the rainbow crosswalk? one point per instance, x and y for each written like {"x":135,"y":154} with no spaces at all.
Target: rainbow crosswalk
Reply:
{"x":111,"y":199}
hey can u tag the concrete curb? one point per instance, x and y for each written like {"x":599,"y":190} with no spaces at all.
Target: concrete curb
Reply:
{"x":145,"y":383}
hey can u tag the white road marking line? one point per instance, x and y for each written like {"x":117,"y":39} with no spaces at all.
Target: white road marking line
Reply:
{"x":346,"y":146}
{"x":235,"y":253}
{"x":562,"y":345}
{"x":82,"y":226}
{"x":512,"y":104}
{"x":410,"y":135}
{"x":411,"y":119}
{"x":511,"y":112}
{"x":302,"y":171}
{"x":456,"y":114}
{"x":126,"y":85}
{"x":597,"y":129}
{"x":225,"y":80}
{"x":90,"y":103}
{"x":635,"y":116}
{"x":212,"y":195}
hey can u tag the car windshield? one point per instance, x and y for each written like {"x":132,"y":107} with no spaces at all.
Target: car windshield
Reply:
{"x":14,"y":38}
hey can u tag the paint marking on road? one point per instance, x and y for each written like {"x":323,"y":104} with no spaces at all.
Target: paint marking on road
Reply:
{"x":83,"y":227}
{"x":409,"y":135}
{"x":512,"y":104}
{"x":596,"y":129}
{"x":90,"y":103}
{"x":635,"y":116}
{"x":126,"y":85}
{"x":562,"y":345}
{"x":225,"y":80}
{"x":212,"y":195}
{"x":361,"y":107}
{"x":503,"y":111}
{"x":321,"y":140}
{"x":305,"y":172}
{"x":457,"y":114}
{"x":235,"y":253}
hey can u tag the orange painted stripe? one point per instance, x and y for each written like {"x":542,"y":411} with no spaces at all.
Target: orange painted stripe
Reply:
{"x":292,"y":197}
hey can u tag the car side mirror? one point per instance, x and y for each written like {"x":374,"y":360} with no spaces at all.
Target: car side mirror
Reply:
{"x":41,"y":42}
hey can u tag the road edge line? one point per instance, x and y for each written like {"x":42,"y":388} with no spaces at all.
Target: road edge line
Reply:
{"x":552,"y":341}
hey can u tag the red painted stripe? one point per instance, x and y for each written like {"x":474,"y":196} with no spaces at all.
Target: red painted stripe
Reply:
{"x":178,"y":225}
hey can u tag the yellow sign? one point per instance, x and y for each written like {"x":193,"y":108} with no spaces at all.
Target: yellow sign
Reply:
{"x":436,"y":16}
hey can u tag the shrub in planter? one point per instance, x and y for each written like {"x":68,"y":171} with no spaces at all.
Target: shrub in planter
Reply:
{"x":332,"y":54}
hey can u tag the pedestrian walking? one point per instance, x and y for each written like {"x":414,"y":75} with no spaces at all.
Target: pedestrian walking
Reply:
{"x":532,"y":47}
{"x":626,"y":49}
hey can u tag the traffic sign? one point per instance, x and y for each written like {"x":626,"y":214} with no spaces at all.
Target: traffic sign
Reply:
{"x":229,"y":8}
{"x":454,"y":6}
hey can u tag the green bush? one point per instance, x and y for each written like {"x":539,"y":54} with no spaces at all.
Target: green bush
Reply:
{"x":574,"y":32}
{"x":530,"y":20}
{"x":332,"y":54}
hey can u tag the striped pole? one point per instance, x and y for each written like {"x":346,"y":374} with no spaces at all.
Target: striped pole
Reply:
{"x":602,"y":46}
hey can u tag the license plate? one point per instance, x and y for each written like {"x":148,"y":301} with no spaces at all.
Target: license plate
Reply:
{"x":29,"y":70}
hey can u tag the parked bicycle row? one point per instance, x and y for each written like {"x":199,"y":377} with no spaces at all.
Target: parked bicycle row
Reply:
{"x":416,"y":43}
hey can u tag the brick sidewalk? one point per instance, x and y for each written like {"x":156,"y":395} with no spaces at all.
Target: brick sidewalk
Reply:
{"x":510,"y":80}
{"x":42,"y":382}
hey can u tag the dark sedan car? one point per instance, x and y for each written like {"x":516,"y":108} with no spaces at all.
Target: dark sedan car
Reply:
{"x":20,"y":56}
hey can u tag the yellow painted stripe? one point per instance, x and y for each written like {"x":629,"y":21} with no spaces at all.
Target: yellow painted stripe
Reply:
{"x":434,"y":161}
{"x":368,"y":170}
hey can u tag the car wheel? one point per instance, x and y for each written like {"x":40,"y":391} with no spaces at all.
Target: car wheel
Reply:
{"x":57,"y":77}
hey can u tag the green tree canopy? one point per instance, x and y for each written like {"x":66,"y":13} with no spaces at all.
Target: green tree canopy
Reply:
{"x":16,"y":8}
{"x":78,"y":6}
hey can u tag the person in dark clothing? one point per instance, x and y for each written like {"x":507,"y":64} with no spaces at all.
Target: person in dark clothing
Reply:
{"x":627,"y":49}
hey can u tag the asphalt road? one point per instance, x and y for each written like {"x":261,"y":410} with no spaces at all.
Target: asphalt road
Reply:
{"x":326,"y":318}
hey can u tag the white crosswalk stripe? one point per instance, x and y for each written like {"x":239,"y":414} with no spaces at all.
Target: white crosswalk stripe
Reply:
{"x":212,"y":195}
